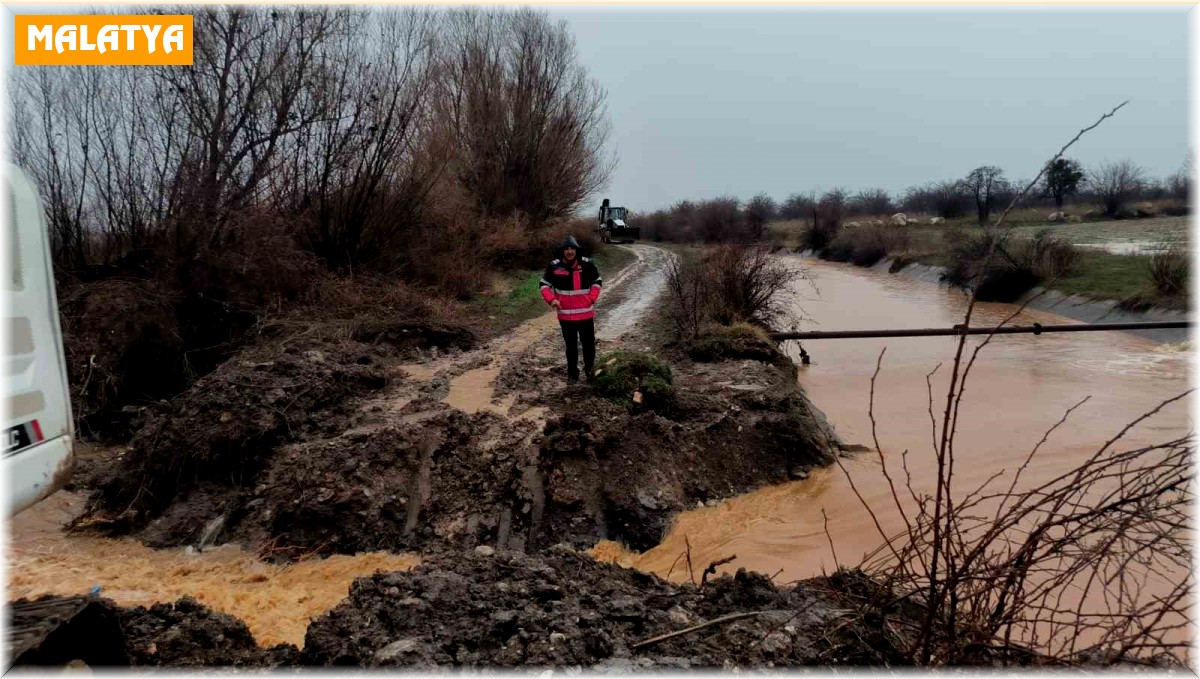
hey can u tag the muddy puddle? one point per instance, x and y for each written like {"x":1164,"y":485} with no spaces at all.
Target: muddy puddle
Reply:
{"x":1020,"y":386}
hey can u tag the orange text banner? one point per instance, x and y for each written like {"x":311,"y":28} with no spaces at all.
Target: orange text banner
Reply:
{"x":103,"y":40}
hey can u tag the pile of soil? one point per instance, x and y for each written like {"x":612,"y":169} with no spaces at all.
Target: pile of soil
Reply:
{"x":189,"y":634}
{"x":507,"y":609}
{"x":620,"y":472}
{"x":402,"y":486}
{"x":214,"y":438}
{"x":122,"y":343}
{"x":57,"y":632}
{"x":280,"y":450}
{"x":565,"y":609}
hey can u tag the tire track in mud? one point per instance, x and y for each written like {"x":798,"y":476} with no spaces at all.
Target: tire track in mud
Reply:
{"x":506,"y":423}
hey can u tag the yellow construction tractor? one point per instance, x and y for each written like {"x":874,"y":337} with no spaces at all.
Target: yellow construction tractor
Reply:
{"x":612,"y":226}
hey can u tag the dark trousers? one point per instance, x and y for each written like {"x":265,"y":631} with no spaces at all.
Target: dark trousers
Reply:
{"x":585,"y":331}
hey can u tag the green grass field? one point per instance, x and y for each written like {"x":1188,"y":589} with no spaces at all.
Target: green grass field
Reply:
{"x":1108,"y":276}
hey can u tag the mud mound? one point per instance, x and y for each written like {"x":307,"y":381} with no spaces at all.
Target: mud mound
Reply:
{"x":564,"y":609}
{"x":101,"y":633}
{"x":395,"y":487}
{"x":737,"y":342}
{"x":189,"y":634}
{"x":123,"y":344}
{"x":617,"y":474}
{"x":218,"y":433}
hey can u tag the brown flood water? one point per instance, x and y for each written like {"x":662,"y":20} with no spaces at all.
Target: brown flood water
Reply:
{"x":275,"y":602}
{"x":1020,"y":386}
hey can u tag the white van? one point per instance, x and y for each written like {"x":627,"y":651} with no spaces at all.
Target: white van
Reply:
{"x":38,"y":430}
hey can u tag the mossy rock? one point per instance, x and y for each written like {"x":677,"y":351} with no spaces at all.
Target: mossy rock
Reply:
{"x":622,"y":374}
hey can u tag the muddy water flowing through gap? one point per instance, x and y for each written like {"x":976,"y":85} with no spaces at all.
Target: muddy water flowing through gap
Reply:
{"x":275,"y":602}
{"x":1020,"y":386}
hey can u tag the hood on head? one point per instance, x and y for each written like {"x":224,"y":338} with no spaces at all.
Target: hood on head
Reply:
{"x":568,"y":242}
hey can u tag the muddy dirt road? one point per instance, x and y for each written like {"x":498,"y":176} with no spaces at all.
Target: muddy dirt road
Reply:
{"x":277,"y":602}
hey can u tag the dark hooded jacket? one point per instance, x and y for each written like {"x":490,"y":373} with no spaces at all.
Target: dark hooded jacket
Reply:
{"x":575,"y":284}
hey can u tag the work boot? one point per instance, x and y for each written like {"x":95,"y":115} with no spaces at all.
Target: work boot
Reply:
{"x":572,"y":379}
{"x":589,"y":375}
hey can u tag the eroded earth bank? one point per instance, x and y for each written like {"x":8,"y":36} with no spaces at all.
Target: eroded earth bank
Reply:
{"x":479,"y":461}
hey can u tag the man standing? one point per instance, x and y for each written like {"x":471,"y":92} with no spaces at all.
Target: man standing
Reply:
{"x":571,"y":285}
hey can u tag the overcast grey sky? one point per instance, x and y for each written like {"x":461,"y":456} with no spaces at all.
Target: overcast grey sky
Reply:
{"x":717,"y":101}
{"x":709,"y":101}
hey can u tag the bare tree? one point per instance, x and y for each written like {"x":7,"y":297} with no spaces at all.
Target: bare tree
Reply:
{"x":245,"y":93}
{"x":360,"y":173}
{"x":797,"y":206}
{"x":54,"y":140}
{"x":984,"y":184}
{"x":759,"y":210}
{"x":720,"y":221}
{"x":1114,"y":184}
{"x":530,"y":125}
{"x":872,"y":202}
{"x":948,"y":200}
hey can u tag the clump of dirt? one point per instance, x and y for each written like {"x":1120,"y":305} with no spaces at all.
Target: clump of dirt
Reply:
{"x":215,"y":437}
{"x":737,"y":342}
{"x":404,"y":486}
{"x":634,"y":375}
{"x":413,"y":335}
{"x":189,"y":634}
{"x":99,"y":632}
{"x":93,"y":466}
{"x":565,"y":609}
{"x":618,"y":473}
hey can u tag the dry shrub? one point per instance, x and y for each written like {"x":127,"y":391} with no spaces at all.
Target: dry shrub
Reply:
{"x":1169,"y":269}
{"x":258,"y":266}
{"x":1047,"y":256}
{"x":730,"y":284}
{"x":1000,"y":269}
{"x":866,"y":244}
{"x":370,"y":293}
{"x":1092,"y":566}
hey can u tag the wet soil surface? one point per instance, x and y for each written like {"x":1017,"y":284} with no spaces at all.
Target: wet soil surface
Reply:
{"x":564,"y":609}
{"x":298,"y":451}
{"x":508,"y":609}
{"x":321,"y":448}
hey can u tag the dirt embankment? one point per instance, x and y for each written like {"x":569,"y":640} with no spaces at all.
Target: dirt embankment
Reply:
{"x":313,"y":448}
{"x":565,"y":609}
{"x":508,"y":609}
